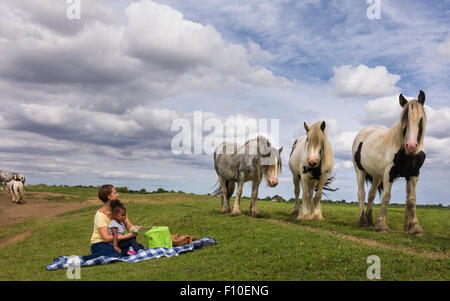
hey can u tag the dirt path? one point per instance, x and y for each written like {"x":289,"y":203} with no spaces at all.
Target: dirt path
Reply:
{"x":367,"y":242}
{"x":36,"y":205}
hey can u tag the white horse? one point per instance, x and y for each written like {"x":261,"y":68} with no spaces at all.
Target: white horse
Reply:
{"x":16,"y":190}
{"x":381,"y":155}
{"x":311,"y":162}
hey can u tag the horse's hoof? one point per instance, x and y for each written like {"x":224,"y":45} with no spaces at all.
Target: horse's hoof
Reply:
{"x":415,"y":229}
{"x":318,"y":218}
{"x":317,"y":215}
{"x":381,"y":227}
{"x":294,"y":212}
{"x":302,"y":218}
{"x":256,"y":215}
{"x":225,"y":210}
{"x":235,"y":213}
{"x":363,"y":221}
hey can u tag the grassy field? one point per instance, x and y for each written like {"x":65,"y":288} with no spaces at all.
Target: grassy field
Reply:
{"x":275,"y":247}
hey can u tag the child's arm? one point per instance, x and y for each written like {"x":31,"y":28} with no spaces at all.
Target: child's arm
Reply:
{"x":115,"y":240}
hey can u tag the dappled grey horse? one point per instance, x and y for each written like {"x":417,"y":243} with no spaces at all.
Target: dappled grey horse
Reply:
{"x":5,"y":178}
{"x":240,"y":164}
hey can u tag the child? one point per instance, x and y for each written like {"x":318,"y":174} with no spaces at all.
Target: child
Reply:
{"x":117,"y":227}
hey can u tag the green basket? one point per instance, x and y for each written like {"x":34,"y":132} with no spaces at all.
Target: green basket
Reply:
{"x":158,"y":236}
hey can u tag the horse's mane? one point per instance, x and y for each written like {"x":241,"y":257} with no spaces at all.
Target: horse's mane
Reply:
{"x":315,"y":136}
{"x":413,"y":110}
{"x":267,"y":152}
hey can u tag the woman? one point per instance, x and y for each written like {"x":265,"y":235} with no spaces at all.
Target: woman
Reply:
{"x":101,"y":240}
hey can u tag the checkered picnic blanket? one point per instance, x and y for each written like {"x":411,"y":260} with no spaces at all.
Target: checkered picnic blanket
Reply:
{"x":64,"y":262}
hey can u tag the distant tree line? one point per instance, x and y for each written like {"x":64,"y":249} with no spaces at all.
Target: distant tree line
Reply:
{"x":275,"y":198}
{"x":144,"y":191}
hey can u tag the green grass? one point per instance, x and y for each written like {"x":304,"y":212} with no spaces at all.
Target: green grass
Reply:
{"x":343,"y":217}
{"x":72,"y":193}
{"x":247,"y":248}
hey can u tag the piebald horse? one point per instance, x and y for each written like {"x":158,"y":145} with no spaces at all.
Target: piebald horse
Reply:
{"x":311,"y":162}
{"x":381,"y":155}
{"x":240,"y":164}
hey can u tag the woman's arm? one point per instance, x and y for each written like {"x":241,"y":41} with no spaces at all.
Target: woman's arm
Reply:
{"x":108,"y":237}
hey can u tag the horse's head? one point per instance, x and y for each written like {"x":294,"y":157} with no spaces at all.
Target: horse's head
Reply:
{"x":18,"y":177}
{"x":413,"y":120}
{"x":270,"y":161}
{"x":315,"y":142}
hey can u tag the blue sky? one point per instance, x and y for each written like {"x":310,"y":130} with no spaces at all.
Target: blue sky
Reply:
{"x":91,"y":101}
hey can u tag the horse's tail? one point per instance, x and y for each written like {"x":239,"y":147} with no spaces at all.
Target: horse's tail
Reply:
{"x":230,"y":188}
{"x":368,"y":179}
{"x":218,"y":190}
{"x":327,"y":185}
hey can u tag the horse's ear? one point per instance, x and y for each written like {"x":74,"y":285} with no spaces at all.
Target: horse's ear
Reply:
{"x":403,"y":101}
{"x":280,"y":150}
{"x":322,"y":126}
{"x":307,"y":128}
{"x":421,"y":97}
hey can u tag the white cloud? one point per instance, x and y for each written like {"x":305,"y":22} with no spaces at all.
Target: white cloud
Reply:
{"x":438,"y":124}
{"x":77,"y":120}
{"x":444,"y":48}
{"x":346,"y":164}
{"x":160,"y":36}
{"x":437,"y":150}
{"x":364,"y":81}
{"x":257,"y":54}
{"x":342,"y":144}
{"x":110,"y":66}
{"x":383,"y":110}
{"x":52,"y":14}
{"x":386,"y":111}
{"x":136,"y":175}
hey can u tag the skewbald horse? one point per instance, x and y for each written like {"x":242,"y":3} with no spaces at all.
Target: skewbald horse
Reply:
{"x":311,"y":162}
{"x":381,"y":155}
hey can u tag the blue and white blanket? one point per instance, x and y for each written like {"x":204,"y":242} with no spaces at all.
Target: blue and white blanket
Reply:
{"x":64,"y":262}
